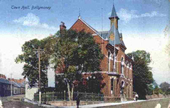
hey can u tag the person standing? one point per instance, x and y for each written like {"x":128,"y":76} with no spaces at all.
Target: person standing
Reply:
{"x":136,"y":97}
{"x":1,"y":105}
{"x":78,"y":100}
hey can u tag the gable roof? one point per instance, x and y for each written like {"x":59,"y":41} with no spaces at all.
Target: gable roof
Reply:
{"x":89,"y":26}
{"x":83,"y":22}
{"x":95,"y":32}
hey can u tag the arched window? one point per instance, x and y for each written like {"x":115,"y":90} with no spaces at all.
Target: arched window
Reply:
{"x":128,"y":70}
{"x":122,"y":66}
{"x":109,"y":60}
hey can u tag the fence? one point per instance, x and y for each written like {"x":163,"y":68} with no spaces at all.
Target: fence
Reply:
{"x":63,"y":96}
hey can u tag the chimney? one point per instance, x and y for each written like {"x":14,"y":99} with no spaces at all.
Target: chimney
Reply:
{"x":62,"y":26}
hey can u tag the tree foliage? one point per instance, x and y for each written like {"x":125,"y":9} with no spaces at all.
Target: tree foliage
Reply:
{"x":142,"y":75}
{"x":165,"y":87}
{"x":74,"y":53}
{"x":77,"y":51}
{"x":71,"y":53}
{"x":30,"y":59}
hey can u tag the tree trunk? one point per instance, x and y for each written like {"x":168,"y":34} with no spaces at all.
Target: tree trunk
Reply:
{"x":68,"y":87}
{"x":72,"y":92}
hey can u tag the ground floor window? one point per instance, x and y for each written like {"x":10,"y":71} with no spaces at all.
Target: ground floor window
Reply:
{"x":112,"y":85}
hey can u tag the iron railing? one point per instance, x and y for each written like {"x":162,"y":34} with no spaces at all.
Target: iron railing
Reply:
{"x":61,"y":96}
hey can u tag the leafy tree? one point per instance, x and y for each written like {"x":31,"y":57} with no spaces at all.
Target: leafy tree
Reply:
{"x":30,"y":59}
{"x":157,"y":90}
{"x":76,"y":52}
{"x":165,"y":87}
{"x":150,"y":89}
{"x":91,"y":84}
{"x":142,"y":75}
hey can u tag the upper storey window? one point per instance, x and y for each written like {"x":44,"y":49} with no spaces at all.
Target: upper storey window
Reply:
{"x":122,"y":66}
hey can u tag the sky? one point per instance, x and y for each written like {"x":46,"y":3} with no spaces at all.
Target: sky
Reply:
{"x":145,"y":25}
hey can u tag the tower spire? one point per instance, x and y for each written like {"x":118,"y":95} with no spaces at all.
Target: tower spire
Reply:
{"x":113,"y":14}
{"x":114,"y":18}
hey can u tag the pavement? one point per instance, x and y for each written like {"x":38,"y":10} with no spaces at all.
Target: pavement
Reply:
{"x":82,"y":106}
{"x":101,"y":104}
{"x":31,"y":104}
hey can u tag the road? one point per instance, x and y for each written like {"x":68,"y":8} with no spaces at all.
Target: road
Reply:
{"x":16,"y":102}
{"x":19,"y":104}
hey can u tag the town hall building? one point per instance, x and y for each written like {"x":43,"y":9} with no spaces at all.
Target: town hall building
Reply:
{"x":116,"y":66}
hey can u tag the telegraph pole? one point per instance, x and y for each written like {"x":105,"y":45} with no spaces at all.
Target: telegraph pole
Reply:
{"x":39,"y":70}
{"x":39,"y":74}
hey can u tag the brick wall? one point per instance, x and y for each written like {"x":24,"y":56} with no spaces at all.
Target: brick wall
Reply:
{"x":80,"y":25}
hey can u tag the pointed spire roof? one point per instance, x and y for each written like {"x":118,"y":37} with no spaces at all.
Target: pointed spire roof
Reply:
{"x":113,"y":14}
{"x":113,"y":36}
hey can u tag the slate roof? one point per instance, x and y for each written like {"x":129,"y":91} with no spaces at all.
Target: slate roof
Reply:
{"x":116,"y":40}
{"x":114,"y":14}
{"x":15,"y":84}
{"x":4,"y":81}
{"x":103,"y":34}
{"x":106,"y":34}
{"x":19,"y":85}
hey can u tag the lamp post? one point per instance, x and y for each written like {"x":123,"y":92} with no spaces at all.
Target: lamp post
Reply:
{"x":11,"y":84}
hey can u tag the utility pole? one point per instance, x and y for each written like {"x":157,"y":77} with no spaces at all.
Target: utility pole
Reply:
{"x":39,"y":70}
{"x":11,"y":84}
{"x":39,"y":65}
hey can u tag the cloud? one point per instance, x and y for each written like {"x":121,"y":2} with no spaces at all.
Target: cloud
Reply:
{"x":127,"y":15}
{"x":155,"y":44}
{"x":32,"y":20}
{"x":147,"y":1}
{"x":152,"y":14}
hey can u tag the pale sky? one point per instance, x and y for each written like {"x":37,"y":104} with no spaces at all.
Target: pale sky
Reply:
{"x":143,"y":23}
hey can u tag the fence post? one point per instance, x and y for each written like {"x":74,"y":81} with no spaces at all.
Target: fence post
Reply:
{"x":92,"y":97}
{"x":64,"y":94}
{"x":86,"y":97}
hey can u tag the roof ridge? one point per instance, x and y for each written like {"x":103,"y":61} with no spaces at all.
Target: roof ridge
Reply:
{"x":89,"y":25}
{"x":92,"y":28}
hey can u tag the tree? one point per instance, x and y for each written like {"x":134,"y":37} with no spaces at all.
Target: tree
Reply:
{"x":165,"y":87}
{"x":156,"y":90}
{"x":30,"y":60}
{"x":74,"y":53}
{"x":150,"y":89}
{"x":142,"y":75}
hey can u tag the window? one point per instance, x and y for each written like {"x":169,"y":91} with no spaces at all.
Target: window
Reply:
{"x":112,"y":85}
{"x":128,"y":70}
{"x":109,"y":61}
{"x":122,"y":66}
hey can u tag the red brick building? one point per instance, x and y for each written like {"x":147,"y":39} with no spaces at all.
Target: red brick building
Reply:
{"x":116,"y":66}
